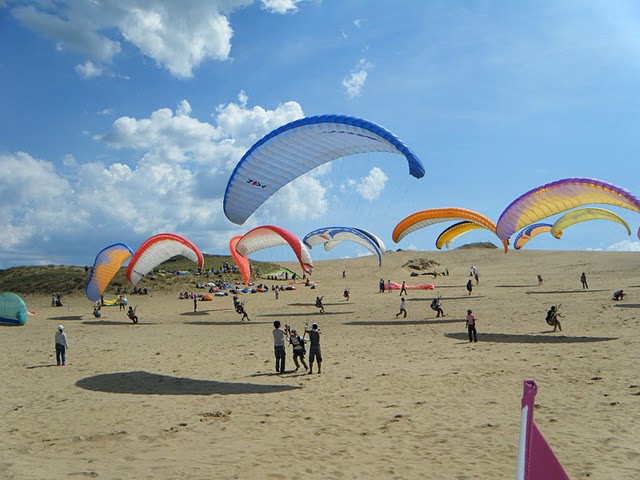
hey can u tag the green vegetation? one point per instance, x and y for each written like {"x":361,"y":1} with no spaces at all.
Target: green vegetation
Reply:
{"x":72,"y":279}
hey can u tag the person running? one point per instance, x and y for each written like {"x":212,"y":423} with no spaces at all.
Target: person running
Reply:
{"x":403,"y":308}
{"x":279,"y":336}
{"x":539,"y":279}
{"x":403,"y":288}
{"x":469,"y":286}
{"x":552,"y":318}
{"x":61,"y":346}
{"x":583,"y":280}
{"x":319,"y":304}
{"x":436,"y":306}
{"x":241,"y":311}
{"x":471,"y":326}
{"x":299,"y":351}
{"x":314,"y":347}
{"x":346,"y":294}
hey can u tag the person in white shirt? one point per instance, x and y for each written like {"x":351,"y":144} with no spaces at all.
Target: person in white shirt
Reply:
{"x":279,"y":336}
{"x":61,"y":346}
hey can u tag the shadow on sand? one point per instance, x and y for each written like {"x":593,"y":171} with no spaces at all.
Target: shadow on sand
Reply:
{"x":518,"y":286}
{"x":145,"y":383}
{"x":462,"y":297}
{"x":518,"y":338}
{"x":548,"y":292}
{"x":227,"y":323}
{"x":197,"y":314}
{"x":66,"y":317}
{"x":303,"y":314}
{"x":108,"y":322}
{"x":384,"y":323}
{"x":628,"y":305}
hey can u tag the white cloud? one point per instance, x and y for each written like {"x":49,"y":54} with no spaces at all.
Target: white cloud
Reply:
{"x":106,"y":111}
{"x":176,"y":184}
{"x":357,"y":22}
{"x":89,"y":70}
{"x":179,"y":38}
{"x":625,"y":246}
{"x":280,"y":6}
{"x":371,"y":186}
{"x":354,"y":82}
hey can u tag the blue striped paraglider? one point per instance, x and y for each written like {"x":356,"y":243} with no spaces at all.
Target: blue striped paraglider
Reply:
{"x":329,"y":237}
{"x":297,"y":148}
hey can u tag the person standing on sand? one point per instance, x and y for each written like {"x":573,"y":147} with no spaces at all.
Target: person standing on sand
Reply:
{"x":583,"y":280}
{"x":314,"y":348}
{"x":471,"y":326}
{"x":469,"y":286}
{"x":403,"y":308}
{"x":381,"y":285}
{"x":61,"y":346}
{"x":298,"y":348}
{"x":389,"y":285}
{"x":279,"y":336}
{"x":195,"y":304}
{"x":403,"y":288}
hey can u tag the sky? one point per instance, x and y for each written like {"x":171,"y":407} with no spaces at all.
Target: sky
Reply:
{"x":122,"y":119}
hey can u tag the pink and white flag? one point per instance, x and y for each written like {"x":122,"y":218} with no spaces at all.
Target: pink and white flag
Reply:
{"x":536,"y":460}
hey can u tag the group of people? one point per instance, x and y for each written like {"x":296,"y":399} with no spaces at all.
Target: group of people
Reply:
{"x":288,"y":335}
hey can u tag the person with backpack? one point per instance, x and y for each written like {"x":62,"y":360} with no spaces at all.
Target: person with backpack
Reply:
{"x":319,"y":304}
{"x":552,"y":318}
{"x":299,"y":350}
{"x":469,"y":286}
{"x":436,"y":306}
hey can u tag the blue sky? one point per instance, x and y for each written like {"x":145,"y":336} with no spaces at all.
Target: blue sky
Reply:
{"x":123,"y":119}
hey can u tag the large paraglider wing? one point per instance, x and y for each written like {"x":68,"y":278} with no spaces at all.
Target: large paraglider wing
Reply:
{"x":584,"y":215}
{"x":106,"y":265}
{"x":527,"y":233}
{"x":268,"y":236}
{"x":331,"y":236}
{"x":13,"y":311}
{"x":297,"y":148}
{"x":455,"y":231}
{"x":158,"y":249}
{"x":375,"y":239}
{"x":560,"y":196}
{"x":242,"y":262}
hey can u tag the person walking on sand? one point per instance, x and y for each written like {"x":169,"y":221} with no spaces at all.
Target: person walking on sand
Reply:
{"x":403,"y":308}
{"x":314,"y":347}
{"x":346,"y":294}
{"x":583,"y":280}
{"x":279,"y":336}
{"x":471,"y":326}
{"x":469,"y":286}
{"x":477,"y":277}
{"x":297,"y":342}
{"x":539,"y":279}
{"x":61,"y":346}
{"x":195,"y":304}
{"x":403,"y":288}
{"x":319,"y":304}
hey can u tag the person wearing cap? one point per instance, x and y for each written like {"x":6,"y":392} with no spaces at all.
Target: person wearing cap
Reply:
{"x":61,"y":346}
{"x":314,"y":348}
{"x":471,"y":326}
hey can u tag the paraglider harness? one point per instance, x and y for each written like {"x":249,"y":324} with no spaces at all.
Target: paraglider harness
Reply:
{"x":552,"y":316}
{"x":131,"y":313}
{"x":435,"y":304}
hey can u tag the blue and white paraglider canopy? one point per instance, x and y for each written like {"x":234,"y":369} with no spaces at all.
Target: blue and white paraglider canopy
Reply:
{"x":297,"y":148}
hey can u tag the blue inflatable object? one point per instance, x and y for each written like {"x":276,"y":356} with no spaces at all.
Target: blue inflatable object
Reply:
{"x":13,"y":311}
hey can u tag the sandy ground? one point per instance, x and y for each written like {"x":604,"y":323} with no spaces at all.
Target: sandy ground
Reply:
{"x":195,"y":395}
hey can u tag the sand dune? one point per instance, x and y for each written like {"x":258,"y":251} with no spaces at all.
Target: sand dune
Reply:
{"x":195,"y":396}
